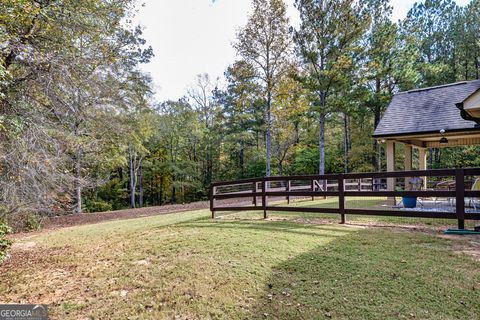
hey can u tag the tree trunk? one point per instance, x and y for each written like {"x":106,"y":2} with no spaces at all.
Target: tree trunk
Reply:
{"x":242,"y":159}
{"x":140,"y":186}
{"x":133,"y":179}
{"x":376,"y":156}
{"x":77,"y":184}
{"x":267,"y":134}
{"x":297,"y":132}
{"x":438,"y":158}
{"x":430,"y":158}
{"x":160,"y":195}
{"x":346,"y":141}
{"x":476,"y":66}
{"x":174,"y":196}
{"x":321,"y":143}
{"x":321,"y":138}
{"x":466,"y":70}
{"x":209,"y":165}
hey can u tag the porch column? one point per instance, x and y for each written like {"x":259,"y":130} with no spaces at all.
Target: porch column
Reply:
{"x":390,"y":168}
{"x":408,"y":164}
{"x":422,"y":164}
{"x":390,"y":164}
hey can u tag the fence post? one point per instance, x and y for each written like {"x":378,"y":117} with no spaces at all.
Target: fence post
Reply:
{"x":264,"y":198}
{"x":460,"y":197}
{"x":211,"y":194}
{"x":341,"y":198}
{"x":287,"y":188}
{"x":325,"y":187}
{"x":313,"y":188}
{"x":254,"y":190}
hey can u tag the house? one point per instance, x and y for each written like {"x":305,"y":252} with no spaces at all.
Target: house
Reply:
{"x":435,"y":117}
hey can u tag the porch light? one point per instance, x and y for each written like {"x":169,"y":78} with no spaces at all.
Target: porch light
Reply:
{"x":443,"y":140}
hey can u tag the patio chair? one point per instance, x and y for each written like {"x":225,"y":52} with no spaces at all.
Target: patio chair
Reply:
{"x":475,"y":201}
{"x":445,"y":186}
{"x":416,"y":184}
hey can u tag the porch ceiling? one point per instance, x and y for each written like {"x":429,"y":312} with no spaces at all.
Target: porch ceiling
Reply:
{"x":432,"y":140}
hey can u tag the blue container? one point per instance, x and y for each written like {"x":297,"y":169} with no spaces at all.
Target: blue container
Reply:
{"x":409,"y":202}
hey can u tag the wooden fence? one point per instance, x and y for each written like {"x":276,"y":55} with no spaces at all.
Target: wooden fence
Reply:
{"x":342,"y":186}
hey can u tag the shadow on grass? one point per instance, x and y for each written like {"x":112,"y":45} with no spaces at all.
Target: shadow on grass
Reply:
{"x":374,"y":275}
{"x":271,"y":226}
{"x":192,"y":220}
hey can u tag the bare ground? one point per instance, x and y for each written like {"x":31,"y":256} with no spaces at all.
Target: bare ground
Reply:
{"x":90,"y":218}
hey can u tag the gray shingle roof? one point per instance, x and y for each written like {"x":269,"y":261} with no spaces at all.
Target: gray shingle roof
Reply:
{"x":427,"y":110}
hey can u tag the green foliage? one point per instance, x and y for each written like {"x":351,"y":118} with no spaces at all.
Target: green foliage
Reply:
{"x":5,"y":243}
{"x":97,"y":206}
{"x":70,"y":93}
{"x":305,"y":161}
{"x":78,"y":125}
{"x":456,"y":157}
{"x":265,"y":45}
{"x":33,"y":222}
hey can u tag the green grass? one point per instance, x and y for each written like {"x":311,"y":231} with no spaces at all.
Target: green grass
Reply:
{"x":351,"y":202}
{"x":187,"y":266}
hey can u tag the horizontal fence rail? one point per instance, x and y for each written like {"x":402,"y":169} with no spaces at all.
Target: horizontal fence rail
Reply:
{"x":452,"y":185}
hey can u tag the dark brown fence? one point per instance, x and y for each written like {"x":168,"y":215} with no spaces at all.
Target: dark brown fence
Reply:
{"x":453,"y":185}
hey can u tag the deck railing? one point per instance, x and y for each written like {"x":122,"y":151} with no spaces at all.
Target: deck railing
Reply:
{"x":390,"y":185}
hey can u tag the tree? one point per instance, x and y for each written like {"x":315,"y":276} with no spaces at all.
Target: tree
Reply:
{"x":388,"y":64}
{"x":179,"y":131}
{"x":327,"y":36}
{"x":242,"y":105}
{"x":431,"y":23}
{"x":466,"y":33}
{"x":265,"y":44}
{"x":201,"y":96}
{"x":289,"y":108}
{"x":64,"y":76}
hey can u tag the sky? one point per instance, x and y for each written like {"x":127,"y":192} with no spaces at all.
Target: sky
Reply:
{"x":190,"y":37}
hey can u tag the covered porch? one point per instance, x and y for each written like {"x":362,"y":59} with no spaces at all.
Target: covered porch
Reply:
{"x":422,"y":119}
{"x":421,"y":143}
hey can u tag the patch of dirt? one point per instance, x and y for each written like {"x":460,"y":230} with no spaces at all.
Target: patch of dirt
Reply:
{"x":145,"y":262}
{"x":437,"y":230}
{"x":89,"y":218}
{"x":470,"y":244}
{"x":29,"y":245}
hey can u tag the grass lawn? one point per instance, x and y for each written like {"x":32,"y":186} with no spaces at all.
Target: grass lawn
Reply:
{"x":187,"y":266}
{"x":377,"y":203}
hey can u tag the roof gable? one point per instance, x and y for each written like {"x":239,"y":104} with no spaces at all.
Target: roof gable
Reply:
{"x":427,"y":110}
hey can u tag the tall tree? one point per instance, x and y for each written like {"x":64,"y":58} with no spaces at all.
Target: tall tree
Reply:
{"x":431,"y":23}
{"x":179,"y":131}
{"x":265,"y":43}
{"x":327,"y":36}
{"x":388,"y":64}
{"x":467,"y":33}
{"x":289,"y":108}
{"x":201,"y":96}
{"x":242,"y":116}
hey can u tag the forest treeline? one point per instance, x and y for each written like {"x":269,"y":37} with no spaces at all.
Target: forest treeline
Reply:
{"x":80,"y":130}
